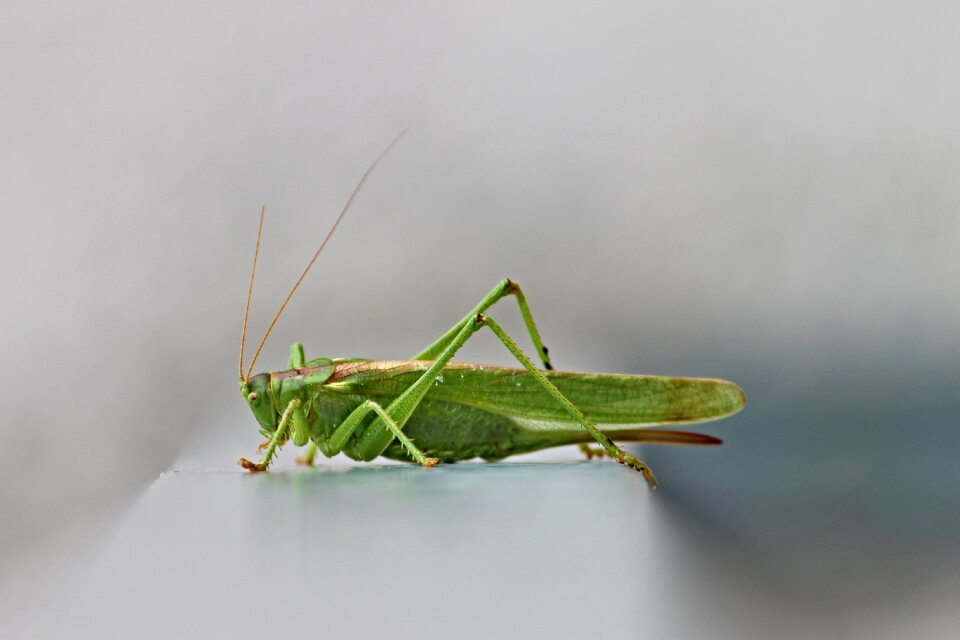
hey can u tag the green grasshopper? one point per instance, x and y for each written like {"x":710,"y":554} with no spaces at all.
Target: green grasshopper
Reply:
{"x":430,"y":409}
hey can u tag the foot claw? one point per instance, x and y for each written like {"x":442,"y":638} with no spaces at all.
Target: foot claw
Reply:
{"x":634,"y":463}
{"x":252,"y":467}
{"x":431,"y":462}
{"x":304,"y":461}
{"x":262,"y":446}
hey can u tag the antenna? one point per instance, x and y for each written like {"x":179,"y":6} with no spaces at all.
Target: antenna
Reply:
{"x":246,"y":310}
{"x":323,"y":244}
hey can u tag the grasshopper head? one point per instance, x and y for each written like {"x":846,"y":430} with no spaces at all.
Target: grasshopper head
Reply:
{"x":256,"y":392}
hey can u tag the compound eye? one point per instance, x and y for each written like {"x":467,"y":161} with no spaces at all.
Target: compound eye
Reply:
{"x":253,"y":397}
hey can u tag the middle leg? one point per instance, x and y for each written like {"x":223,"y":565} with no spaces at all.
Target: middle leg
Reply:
{"x":346,"y":429}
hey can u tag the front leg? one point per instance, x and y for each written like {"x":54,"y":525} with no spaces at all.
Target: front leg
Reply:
{"x":279,"y":437}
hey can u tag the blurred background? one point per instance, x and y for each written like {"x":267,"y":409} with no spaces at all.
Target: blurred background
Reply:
{"x":760,"y":191}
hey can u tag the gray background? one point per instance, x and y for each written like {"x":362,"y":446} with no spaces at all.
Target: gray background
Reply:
{"x":763,"y":191}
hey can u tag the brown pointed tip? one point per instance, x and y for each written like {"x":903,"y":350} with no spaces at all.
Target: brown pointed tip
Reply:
{"x":664,"y":436}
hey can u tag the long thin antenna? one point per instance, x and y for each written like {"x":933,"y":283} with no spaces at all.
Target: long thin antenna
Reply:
{"x":323,"y":244}
{"x":246,"y":310}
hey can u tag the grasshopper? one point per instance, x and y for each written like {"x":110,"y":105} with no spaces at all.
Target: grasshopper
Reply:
{"x":429,"y":409}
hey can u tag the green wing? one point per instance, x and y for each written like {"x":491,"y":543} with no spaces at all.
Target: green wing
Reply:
{"x":607,"y":399}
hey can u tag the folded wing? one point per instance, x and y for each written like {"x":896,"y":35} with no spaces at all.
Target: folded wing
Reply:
{"x":607,"y":399}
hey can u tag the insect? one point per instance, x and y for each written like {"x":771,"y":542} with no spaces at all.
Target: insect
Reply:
{"x":430,"y":409}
